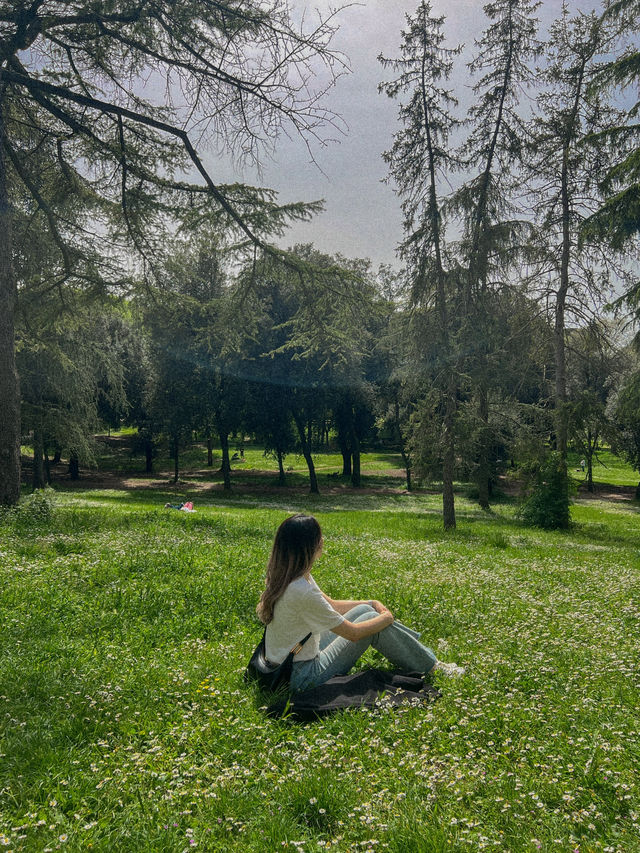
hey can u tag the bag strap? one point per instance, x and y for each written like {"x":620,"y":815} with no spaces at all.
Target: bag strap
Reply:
{"x":298,"y":646}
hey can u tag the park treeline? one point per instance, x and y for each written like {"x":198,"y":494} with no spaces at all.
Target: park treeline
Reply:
{"x":142,"y":297}
{"x":344,"y":362}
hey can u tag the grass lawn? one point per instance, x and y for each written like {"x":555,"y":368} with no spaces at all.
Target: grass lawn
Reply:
{"x":117,"y":454}
{"x":607,"y":468}
{"x":119,"y":460}
{"x":125,"y":724}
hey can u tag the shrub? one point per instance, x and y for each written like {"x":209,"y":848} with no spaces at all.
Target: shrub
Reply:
{"x":547,"y":505}
{"x":36,"y":508}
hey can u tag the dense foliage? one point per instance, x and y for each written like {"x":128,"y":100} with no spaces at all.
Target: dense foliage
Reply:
{"x":474,"y":357}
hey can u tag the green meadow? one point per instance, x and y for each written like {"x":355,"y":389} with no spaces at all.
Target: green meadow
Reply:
{"x":125,"y":724}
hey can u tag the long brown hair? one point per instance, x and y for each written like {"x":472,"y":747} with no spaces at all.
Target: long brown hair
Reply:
{"x":294,"y":549}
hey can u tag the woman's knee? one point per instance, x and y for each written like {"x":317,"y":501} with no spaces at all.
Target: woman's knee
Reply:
{"x":360,"y":613}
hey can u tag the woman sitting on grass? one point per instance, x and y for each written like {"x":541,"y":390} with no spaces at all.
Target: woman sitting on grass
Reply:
{"x":293,"y":605}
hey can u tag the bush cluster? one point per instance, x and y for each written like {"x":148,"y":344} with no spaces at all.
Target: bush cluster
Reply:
{"x":36,"y":508}
{"x":547,"y":505}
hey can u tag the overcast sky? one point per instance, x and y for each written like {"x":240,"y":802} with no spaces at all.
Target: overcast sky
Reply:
{"x":362,"y":216}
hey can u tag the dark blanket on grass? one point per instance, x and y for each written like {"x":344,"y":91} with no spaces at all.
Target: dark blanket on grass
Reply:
{"x":372,"y":688}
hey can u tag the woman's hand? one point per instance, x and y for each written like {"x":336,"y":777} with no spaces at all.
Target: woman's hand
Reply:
{"x":355,"y":631}
{"x":388,"y":615}
{"x":380,"y":607}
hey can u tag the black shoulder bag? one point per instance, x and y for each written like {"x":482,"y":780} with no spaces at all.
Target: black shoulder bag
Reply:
{"x":271,"y":675}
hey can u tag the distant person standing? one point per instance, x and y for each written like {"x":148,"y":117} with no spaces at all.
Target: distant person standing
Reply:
{"x":583,"y":462}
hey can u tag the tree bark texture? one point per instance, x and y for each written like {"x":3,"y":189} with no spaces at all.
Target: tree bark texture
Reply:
{"x":175,"y":442}
{"x":448,"y":456}
{"x":282,"y":480}
{"x":209,"y":451}
{"x":355,"y":473}
{"x":448,"y":426}
{"x":226,"y":463}
{"x":448,"y":504}
{"x":9,"y":382}
{"x":591,"y":444}
{"x":407,"y":469}
{"x":343,"y":424}
{"x":148,"y":456}
{"x":562,"y":418}
{"x":74,"y":466}
{"x":346,"y":461}
{"x":483,"y":450}
{"x":305,"y":444}
{"x":400,"y":439}
{"x":37,"y":479}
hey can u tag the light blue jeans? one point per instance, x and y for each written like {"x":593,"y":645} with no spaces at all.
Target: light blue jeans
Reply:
{"x":399,"y":644}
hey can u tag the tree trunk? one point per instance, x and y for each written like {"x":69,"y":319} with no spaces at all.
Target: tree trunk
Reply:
{"x":406,"y":459}
{"x":591,"y":445}
{"x":450,"y":395}
{"x":355,"y":474}
{"x":448,"y":459}
{"x":74,"y":466}
{"x":343,"y":430}
{"x":305,"y":444}
{"x":562,"y":416}
{"x":407,"y":468}
{"x":57,"y":456}
{"x":313,"y":480}
{"x":282,"y":480}
{"x":226,"y":463}
{"x":175,"y":444}
{"x":47,"y":467}
{"x":9,"y":382}
{"x":346,"y":461}
{"x":209,"y":451}
{"x":560,"y":390}
{"x":483,"y":450}
{"x":148,"y":456}
{"x":37,"y":479}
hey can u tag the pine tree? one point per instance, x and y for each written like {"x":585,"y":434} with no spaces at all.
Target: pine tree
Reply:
{"x":617,"y":221}
{"x":492,"y":230}
{"x":564,"y":179}
{"x":418,"y":159}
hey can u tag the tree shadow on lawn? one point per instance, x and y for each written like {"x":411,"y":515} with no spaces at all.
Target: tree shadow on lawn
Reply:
{"x":609,"y":492}
{"x":260,"y":488}
{"x":415,"y":521}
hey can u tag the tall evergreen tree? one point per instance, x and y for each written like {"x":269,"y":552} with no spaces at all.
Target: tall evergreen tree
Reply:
{"x":564,"y":176}
{"x":491,"y":229}
{"x":418,"y":159}
{"x":617,"y":221}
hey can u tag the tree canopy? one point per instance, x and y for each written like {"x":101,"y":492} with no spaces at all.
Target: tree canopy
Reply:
{"x":104,"y":109}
